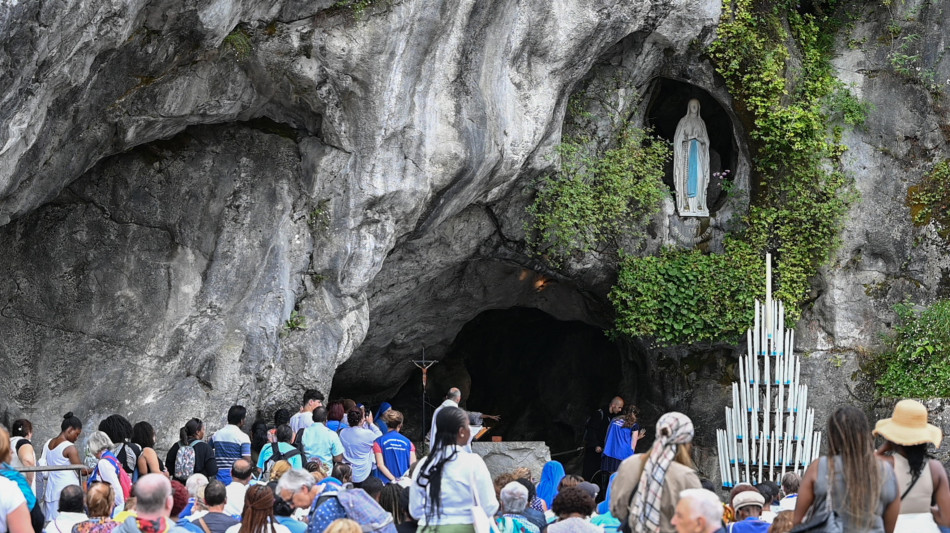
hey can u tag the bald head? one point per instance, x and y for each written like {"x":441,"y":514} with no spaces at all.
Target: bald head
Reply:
{"x":241,"y":471}
{"x":454,"y":394}
{"x":153,"y":493}
{"x":616,"y":405}
{"x":71,"y":499}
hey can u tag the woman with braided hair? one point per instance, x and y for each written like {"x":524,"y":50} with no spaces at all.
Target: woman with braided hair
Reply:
{"x":451,"y":480}
{"x":860,"y":487}
{"x":258,"y":515}
{"x":647,"y":486}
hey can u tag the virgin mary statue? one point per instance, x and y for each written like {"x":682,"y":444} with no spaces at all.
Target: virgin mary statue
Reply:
{"x":691,"y":163}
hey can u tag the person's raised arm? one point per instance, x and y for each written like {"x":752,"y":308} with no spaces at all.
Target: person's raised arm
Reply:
{"x":806,"y":492}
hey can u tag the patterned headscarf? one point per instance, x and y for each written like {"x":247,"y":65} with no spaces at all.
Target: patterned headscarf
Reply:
{"x":672,"y":430}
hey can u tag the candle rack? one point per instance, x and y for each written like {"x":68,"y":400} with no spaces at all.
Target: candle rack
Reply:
{"x":769,"y":402}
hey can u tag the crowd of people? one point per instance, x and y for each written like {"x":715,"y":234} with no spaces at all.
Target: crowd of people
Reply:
{"x":339,"y":468}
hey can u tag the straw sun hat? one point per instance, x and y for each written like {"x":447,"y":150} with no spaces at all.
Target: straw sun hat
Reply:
{"x":908,"y":425}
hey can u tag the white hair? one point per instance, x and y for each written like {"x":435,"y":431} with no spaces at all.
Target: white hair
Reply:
{"x":195,"y":482}
{"x":704,"y":503}
{"x":97,"y":442}
{"x":514,"y":497}
{"x":295,"y":479}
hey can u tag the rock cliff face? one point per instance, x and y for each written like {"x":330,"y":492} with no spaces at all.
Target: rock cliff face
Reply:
{"x":177,"y":178}
{"x":210,"y":202}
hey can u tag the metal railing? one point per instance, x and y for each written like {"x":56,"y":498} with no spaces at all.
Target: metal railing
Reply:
{"x":77,"y":468}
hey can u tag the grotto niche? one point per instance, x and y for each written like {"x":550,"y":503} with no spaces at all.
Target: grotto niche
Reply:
{"x":667,"y":103}
{"x":541,"y":375}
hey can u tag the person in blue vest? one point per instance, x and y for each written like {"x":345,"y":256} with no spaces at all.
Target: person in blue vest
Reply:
{"x":394,"y":452}
{"x":622,"y":435}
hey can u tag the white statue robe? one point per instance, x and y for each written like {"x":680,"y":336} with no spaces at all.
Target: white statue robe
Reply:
{"x":690,"y":127}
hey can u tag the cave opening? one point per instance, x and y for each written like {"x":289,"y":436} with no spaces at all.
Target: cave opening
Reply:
{"x":667,"y":104}
{"x":541,"y":375}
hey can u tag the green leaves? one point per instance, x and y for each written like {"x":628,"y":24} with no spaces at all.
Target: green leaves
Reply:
{"x":929,"y":201}
{"x":597,"y":198}
{"x":795,"y":152}
{"x":916,"y":362}
{"x":684,"y":297}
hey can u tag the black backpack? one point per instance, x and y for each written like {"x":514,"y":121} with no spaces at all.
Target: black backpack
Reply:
{"x":298,"y":443}
{"x":277,"y":456}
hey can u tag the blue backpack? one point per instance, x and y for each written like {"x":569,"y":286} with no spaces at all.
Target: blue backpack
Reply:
{"x":351,"y":503}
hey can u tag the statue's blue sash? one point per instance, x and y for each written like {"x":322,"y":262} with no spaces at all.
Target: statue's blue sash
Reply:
{"x":692,"y":180}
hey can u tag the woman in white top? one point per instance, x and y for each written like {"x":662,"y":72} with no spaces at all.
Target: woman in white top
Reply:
{"x":23,"y":454}
{"x":107,"y":465}
{"x":14,"y":516}
{"x":61,"y":451}
{"x":451,"y":480}
{"x":14,"y":500}
{"x":358,"y":441}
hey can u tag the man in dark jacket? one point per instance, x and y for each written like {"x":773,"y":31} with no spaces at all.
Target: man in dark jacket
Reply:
{"x":595,"y":433}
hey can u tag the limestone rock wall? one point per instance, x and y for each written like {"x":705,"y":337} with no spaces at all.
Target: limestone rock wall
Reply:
{"x":176,"y":178}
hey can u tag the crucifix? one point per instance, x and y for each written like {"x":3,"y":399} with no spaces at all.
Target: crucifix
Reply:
{"x":424,"y":365}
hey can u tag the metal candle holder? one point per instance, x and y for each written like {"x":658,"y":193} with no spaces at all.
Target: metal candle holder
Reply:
{"x":769,"y":428}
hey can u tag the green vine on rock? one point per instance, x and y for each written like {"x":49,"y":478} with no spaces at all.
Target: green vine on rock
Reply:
{"x":803,"y":195}
{"x":239,"y":42}
{"x":597,"y":199}
{"x":791,"y":100}
{"x":916,"y":361}
{"x":682,"y":297}
{"x":929,"y":201}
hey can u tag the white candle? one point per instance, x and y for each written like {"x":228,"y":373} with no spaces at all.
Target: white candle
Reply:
{"x":790,"y":371}
{"x":768,"y":413}
{"x":772,"y":460}
{"x":735,"y":442}
{"x":768,"y":281}
{"x":779,"y":411}
{"x":735,"y":395}
{"x":742,"y":389}
{"x":798,"y":371}
{"x":722,"y":456}
{"x":744,"y":420}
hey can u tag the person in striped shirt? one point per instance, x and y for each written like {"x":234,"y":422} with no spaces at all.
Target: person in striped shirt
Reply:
{"x":230,"y":443}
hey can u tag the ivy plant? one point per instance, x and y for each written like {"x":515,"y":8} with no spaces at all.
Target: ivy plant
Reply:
{"x":598,"y":198}
{"x":916,"y":362}
{"x":929,"y":201}
{"x":684,"y":296}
